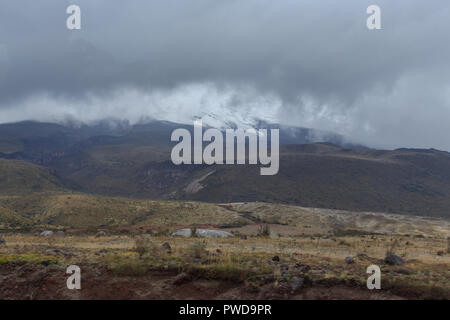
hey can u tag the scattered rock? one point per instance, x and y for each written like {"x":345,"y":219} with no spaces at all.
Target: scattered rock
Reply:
{"x":393,"y":260}
{"x":51,"y":252}
{"x":274,"y":235}
{"x":305,"y":269}
{"x":67,"y":254}
{"x":100,"y":234}
{"x":45,"y":262}
{"x":2,"y":241}
{"x":296,"y":283}
{"x":362,"y":256}
{"x":60,"y":233}
{"x":46,"y":233}
{"x":349,"y":260}
{"x":276,"y":258}
{"x":205,"y":233}
{"x":404,"y":270}
{"x":216,"y":252}
{"x":166,"y":246}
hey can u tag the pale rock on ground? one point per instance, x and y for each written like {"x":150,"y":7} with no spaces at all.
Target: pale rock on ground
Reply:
{"x":205,"y":233}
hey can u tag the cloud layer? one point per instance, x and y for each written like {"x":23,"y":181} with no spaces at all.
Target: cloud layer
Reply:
{"x":306,"y":63}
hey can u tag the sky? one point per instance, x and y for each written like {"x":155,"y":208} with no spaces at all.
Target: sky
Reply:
{"x":304,"y":63}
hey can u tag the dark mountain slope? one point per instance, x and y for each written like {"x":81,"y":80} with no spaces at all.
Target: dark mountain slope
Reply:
{"x":134,"y":161}
{"x":317,"y":175}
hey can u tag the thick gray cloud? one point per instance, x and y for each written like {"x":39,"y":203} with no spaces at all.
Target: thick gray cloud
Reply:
{"x":309,"y":63}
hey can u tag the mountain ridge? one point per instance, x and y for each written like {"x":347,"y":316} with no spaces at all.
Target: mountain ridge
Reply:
{"x":134,"y":161}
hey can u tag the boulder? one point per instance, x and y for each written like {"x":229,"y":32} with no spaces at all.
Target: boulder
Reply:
{"x":182,"y":233}
{"x":2,"y":241}
{"x":208,"y":233}
{"x":46,"y":233}
{"x":296,"y":283}
{"x":181,"y":278}
{"x":100,"y":234}
{"x":216,"y":253}
{"x":205,"y":233}
{"x":305,"y":269}
{"x":393,"y":260}
{"x":276,"y":258}
{"x":273,"y":235}
{"x":404,"y":270}
{"x":46,"y":262}
{"x":51,"y":252}
{"x":60,"y":233}
{"x":166,"y":246}
{"x":349,"y":260}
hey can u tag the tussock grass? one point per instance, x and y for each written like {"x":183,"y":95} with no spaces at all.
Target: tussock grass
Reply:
{"x":126,"y":264}
{"x":236,"y":260}
{"x":28,"y":258}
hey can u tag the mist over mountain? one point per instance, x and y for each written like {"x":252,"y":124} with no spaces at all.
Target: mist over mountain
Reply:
{"x":362,"y":114}
{"x":297,"y":63}
{"x":317,"y":169}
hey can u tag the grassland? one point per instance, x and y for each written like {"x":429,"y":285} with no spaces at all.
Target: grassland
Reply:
{"x":300,"y":255}
{"x":75,"y":210}
{"x":33,"y":267}
{"x":68,"y":210}
{"x":20,"y":178}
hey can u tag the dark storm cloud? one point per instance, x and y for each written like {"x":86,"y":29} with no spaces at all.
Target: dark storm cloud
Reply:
{"x":316,"y":57}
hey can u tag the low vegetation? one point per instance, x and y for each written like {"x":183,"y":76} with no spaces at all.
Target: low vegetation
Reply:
{"x":258,"y":267}
{"x":28,"y":258}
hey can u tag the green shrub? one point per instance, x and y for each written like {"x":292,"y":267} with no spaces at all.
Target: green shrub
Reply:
{"x":143,"y":246}
{"x":127,"y":264}
{"x":197,"y":250}
{"x":28,"y":258}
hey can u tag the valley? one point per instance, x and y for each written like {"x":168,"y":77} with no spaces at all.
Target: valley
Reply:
{"x":109,"y":200}
{"x":134,"y":162}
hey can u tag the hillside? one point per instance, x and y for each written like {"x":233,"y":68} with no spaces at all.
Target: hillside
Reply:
{"x":74,"y":210}
{"x":11,"y":219}
{"x":402,"y":181}
{"x":20,"y":177}
{"x":117,"y":159}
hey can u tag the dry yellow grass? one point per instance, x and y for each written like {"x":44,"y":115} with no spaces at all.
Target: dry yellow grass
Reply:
{"x":423,"y":249}
{"x":238,"y":258}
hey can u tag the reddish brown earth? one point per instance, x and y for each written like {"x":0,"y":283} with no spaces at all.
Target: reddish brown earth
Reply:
{"x":31,"y":281}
